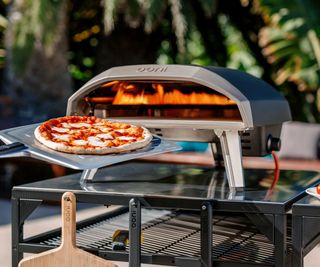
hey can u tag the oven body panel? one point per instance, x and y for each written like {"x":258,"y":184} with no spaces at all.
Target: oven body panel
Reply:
{"x":262,"y":110}
{"x":239,"y":113}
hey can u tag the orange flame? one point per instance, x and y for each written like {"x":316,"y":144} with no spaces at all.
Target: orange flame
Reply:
{"x":129,"y":94}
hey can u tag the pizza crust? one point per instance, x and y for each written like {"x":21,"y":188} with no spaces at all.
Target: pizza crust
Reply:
{"x":97,"y":150}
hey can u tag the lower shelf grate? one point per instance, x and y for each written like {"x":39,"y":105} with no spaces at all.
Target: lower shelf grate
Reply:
{"x":176,"y":234}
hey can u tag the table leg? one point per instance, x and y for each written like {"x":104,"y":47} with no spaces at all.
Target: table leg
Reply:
{"x":206,"y":235}
{"x":297,"y":257}
{"x":16,"y":232}
{"x":280,"y":239}
{"x":134,"y":233}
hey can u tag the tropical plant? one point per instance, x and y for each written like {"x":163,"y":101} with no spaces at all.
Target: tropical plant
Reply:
{"x":37,"y":77}
{"x":189,"y":31}
{"x":3,"y":26}
{"x":291,"y":44}
{"x":268,"y":38}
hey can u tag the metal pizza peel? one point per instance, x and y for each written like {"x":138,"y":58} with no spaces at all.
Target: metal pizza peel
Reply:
{"x":20,"y":142}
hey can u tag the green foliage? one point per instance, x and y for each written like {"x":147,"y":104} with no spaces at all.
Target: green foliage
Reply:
{"x":109,"y":15}
{"x":195,"y":52}
{"x":21,"y":53}
{"x":154,"y":11}
{"x":85,"y":28}
{"x":46,"y":16}
{"x":3,"y":26}
{"x":179,"y":23}
{"x":308,"y":10}
{"x":34,"y":21}
{"x":291,"y":45}
{"x":240,"y":56}
{"x":23,"y":39}
{"x":209,"y":7}
{"x":287,"y":50}
{"x":151,"y":13}
{"x":78,"y":74}
{"x":133,"y":12}
{"x":130,"y":9}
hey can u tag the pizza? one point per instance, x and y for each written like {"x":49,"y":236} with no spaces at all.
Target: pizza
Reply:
{"x":91,"y":135}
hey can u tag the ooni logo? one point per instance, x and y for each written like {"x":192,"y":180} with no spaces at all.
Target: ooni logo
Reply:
{"x":133,"y":219}
{"x":152,"y":69}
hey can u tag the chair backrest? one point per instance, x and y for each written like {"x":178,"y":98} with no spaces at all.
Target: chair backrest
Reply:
{"x":300,"y":140}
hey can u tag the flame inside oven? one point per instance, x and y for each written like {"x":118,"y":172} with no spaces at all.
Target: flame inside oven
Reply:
{"x":161,"y":99}
{"x":161,"y":94}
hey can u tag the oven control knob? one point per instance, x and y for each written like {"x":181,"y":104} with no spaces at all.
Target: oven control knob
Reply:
{"x":273,"y":144}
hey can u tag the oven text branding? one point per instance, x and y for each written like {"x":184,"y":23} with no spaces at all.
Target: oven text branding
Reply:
{"x":68,"y":214}
{"x":67,"y":209}
{"x":152,"y":69}
{"x":133,"y":219}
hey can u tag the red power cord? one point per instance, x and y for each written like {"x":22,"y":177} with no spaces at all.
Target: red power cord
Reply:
{"x":276,"y":174}
{"x":276,"y":170}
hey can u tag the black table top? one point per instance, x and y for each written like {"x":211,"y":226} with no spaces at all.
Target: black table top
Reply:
{"x":180,"y":186}
{"x":307,"y":206}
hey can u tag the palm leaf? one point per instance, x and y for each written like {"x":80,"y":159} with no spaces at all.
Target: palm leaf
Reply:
{"x":154,"y":11}
{"x":109,"y":15}
{"x":3,"y":22}
{"x":292,"y":44}
{"x":179,"y":24}
{"x":133,"y":13}
{"x":209,"y":7}
{"x":48,"y":16}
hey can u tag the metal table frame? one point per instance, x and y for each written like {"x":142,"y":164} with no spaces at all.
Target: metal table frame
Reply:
{"x":270,"y":218}
{"x":25,"y":202}
{"x":305,"y":227}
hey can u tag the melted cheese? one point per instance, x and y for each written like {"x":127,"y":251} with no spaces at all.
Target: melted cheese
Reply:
{"x":80,"y":125}
{"x":59,"y":130}
{"x":80,"y":142}
{"x":103,"y":129}
{"x":105,"y":136}
{"x":62,"y":137}
{"x":94,"y":141}
{"x":76,"y":125}
{"x":120,"y":130}
{"x":66,"y":125}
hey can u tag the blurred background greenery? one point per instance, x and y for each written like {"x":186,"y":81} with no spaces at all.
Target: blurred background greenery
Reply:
{"x":49,"y":48}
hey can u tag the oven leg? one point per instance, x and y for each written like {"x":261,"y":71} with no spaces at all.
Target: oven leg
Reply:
{"x":217,"y":155}
{"x":134,"y":233}
{"x":280,"y":240}
{"x":232,"y":151}
{"x":16,"y":232}
{"x":206,"y":234}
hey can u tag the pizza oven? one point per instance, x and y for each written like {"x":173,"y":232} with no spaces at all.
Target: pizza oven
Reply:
{"x":235,"y":112}
{"x":175,"y":213}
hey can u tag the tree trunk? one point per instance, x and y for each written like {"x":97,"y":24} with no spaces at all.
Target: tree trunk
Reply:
{"x":41,"y":91}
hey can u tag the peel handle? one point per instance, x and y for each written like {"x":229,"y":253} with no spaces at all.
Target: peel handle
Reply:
{"x":68,"y":206}
{"x":10,"y":148}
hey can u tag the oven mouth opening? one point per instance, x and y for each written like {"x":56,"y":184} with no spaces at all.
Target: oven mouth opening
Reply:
{"x":160,"y":99}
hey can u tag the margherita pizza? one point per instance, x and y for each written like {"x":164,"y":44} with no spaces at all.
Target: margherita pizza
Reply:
{"x":91,"y":135}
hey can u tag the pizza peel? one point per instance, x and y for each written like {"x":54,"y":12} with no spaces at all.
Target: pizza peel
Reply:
{"x":21,"y":142}
{"x":67,"y":254}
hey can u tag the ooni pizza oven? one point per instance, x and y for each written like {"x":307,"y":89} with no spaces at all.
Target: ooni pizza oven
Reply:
{"x":221,"y":106}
